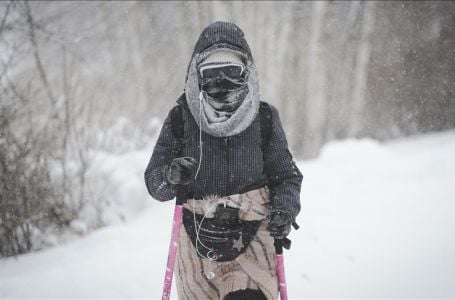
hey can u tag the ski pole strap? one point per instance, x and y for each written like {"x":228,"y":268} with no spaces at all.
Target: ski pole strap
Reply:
{"x":295,"y":225}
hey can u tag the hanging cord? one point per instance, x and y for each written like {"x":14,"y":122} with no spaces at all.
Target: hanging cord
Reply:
{"x":198,"y":240}
{"x":201,"y":96}
{"x":197,"y":228}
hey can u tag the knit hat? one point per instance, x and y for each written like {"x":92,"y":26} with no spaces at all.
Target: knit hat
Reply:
{"x":222,"y":33}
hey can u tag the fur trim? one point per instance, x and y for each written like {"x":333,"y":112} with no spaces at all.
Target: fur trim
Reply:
{"x":245,"y":113}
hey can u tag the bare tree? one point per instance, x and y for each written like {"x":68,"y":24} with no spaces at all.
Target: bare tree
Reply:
{"x":314,"y":104}
{"x":361,"y":71}
{"x":38,"y":131}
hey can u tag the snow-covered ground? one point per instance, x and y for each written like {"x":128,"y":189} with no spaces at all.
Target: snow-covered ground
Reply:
{"x":378,"y":221}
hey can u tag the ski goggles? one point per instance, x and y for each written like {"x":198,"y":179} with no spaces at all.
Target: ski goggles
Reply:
{"x":230,"y":70}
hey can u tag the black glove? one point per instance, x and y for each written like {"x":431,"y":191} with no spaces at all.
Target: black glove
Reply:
{"x":181,"y":170}
{"x":280,"y":222}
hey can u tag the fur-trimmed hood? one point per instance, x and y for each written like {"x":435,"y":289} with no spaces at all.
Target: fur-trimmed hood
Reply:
{"x":216,"y":37}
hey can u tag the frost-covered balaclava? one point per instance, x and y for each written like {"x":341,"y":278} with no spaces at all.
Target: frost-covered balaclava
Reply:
{"x":222,"y":41}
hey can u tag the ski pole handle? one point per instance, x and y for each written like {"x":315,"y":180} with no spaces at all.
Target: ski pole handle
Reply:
{"x":177,"y":220}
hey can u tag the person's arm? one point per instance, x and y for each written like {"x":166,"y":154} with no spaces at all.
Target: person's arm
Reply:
{"x":284,"y":178}
{"x":166,"y":149}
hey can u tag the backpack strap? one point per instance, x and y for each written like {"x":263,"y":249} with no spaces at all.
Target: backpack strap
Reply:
{"x":177,"y":122}
{"x":265,"y":115}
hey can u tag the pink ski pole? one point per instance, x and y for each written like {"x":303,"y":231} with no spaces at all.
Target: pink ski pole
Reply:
{"x":177,"y":220}
{"x":280,"y":270}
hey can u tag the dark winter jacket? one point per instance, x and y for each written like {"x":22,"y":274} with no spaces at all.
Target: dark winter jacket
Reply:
{"x":230,"y":164}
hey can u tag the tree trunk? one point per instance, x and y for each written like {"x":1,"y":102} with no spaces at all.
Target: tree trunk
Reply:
{"x":360,"y":79}
{"x":315,"y":94}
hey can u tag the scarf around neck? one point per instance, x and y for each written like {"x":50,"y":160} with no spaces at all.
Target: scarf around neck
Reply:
{"x":228,"y":118}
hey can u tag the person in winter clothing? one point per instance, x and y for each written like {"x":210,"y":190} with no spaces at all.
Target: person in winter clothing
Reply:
{"x":239,"y":182}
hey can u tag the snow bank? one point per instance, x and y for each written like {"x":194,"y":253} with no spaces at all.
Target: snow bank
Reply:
{"x":377,"y":222}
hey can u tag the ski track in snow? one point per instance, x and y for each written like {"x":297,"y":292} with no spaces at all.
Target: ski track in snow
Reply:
{"x":377,"y":221}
